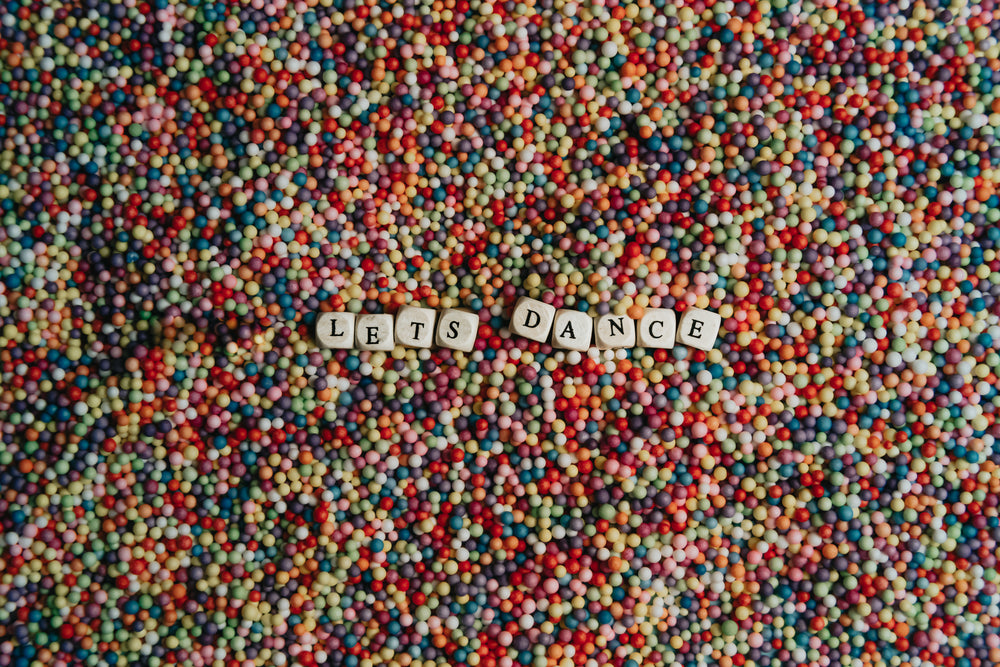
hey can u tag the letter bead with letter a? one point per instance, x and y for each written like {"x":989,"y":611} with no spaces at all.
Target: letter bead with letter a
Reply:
{"x":572,"y":330}
{"x":415,"y":326}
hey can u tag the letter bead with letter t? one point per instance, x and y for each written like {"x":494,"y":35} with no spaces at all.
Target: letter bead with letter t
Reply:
{"x":415,"y":326}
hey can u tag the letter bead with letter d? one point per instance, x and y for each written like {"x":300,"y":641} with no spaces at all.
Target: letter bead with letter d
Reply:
{"x":532,"y":319}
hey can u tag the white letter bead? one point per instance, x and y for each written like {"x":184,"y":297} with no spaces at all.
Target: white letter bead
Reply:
{"x":374,"y":332}
{"x":657,"y":328}
{"x":615,"y":331}
{"x":415,"y":326}
{"x":572,"y":330}
{"x":532,"y":319}
{"x":335,"y":330}
{"x":457,"y":329}
{"x":699,"y":328}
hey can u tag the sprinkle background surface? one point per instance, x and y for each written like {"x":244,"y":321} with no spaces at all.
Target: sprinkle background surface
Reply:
{"x":186,"y":478}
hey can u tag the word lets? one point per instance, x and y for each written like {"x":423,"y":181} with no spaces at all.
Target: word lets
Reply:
{"x":457,"y":329}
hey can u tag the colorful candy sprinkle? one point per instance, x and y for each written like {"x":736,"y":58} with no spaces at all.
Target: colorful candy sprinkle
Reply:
{"x":188,"y":477}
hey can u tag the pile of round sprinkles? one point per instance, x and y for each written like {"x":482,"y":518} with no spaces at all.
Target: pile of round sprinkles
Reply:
{"x":186,"y":478}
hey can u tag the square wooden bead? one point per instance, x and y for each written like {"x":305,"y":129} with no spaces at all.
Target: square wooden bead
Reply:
{"x":657,"y":328}
{"x":572,"y":330}
{"x":415,"y":326}
{"x":457,"y":329}
{"x":335,"y":330}
{"x":699,"y":328}
{"x":532,"y":319}
{"x":374,"y":333}
{"x":614,"y":331}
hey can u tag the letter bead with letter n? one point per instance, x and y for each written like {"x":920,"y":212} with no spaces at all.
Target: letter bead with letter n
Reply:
{"x":615,"y":331}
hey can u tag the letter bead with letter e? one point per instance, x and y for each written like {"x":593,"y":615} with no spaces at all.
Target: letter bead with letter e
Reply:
{"x":699,"y":328}
{"x":374,"y":332}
